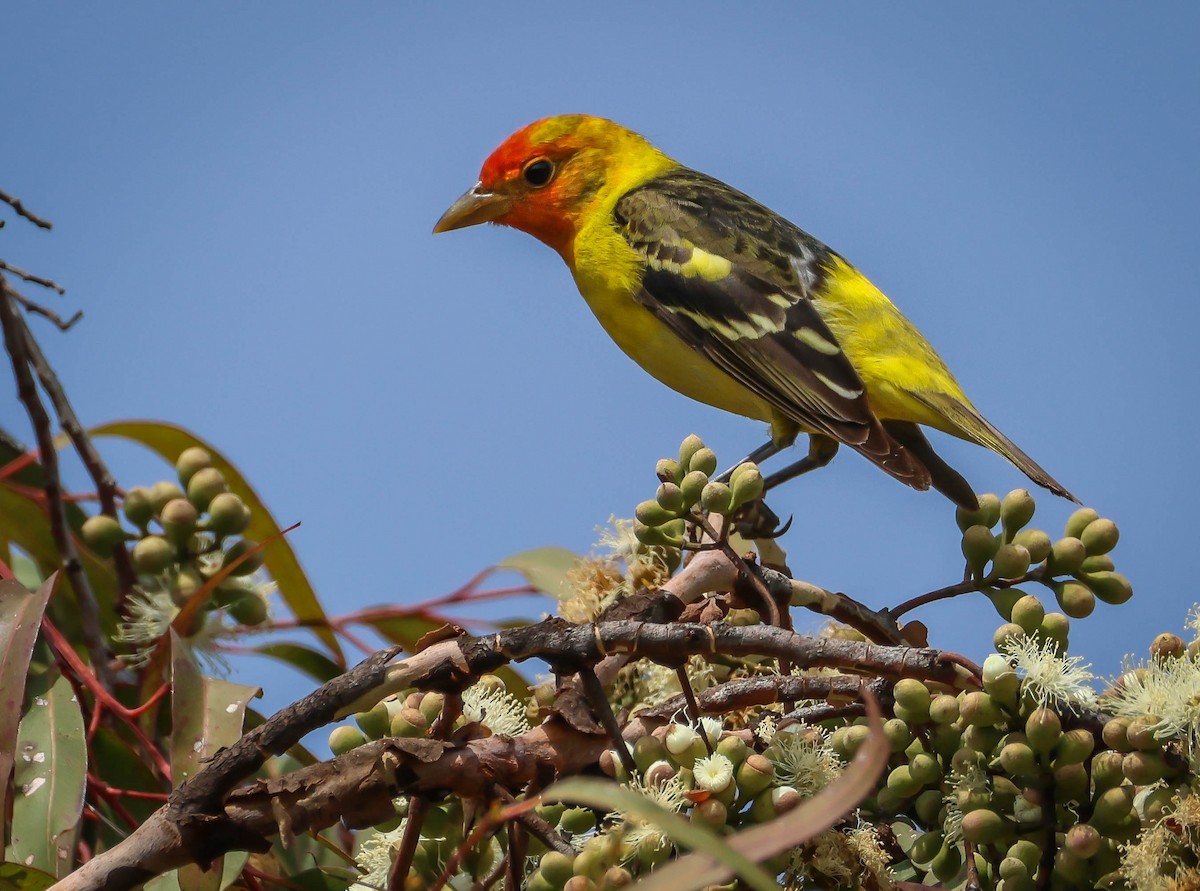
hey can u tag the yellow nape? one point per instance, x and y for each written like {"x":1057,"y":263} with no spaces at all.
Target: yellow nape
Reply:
{"x":891,"y":356}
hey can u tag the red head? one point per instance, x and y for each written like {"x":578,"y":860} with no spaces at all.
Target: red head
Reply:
{"x":546,"y":177}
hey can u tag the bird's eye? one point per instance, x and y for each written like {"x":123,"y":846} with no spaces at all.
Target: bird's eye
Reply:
{"x":538,"y":172}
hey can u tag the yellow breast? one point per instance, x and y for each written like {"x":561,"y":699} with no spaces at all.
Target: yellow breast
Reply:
{"x":608,"y":273}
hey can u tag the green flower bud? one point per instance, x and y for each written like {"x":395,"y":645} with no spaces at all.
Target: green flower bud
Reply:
{"x":1112,"y":807}
{"x":716,"y":498}
{"x":1005,"y":633}
{"x":249,"y":610}
{"x":902,"y":783}
{"x":690,"y":445}
{"x":1083,"y":841}
{"x":227,"y":515}
{"x":1167,"y":646}
{"x":692,"y":487}
{"x":1011,"y":561}
{"x":703,"y":460}
{"x":1111,"y":587}
{"x":615,"y":877}
{"x":236,"y":550}
{"x":1071,"y":784}
{"x":1055,"y":627}
{"x":1028,"y":612}
{"x":536,"y":882}
{"x":925,"y":769}
{"x":746,"y":483}
{"x":1078,"y":521}
{"x":1043,"y":728}
{"x":153,"y":554}
{"x":651,"y":513}
{"x":734,"y":748}
{"x":137,"y":507}
{"x":161,"y":493}
{"x":982,"y":738}
{"x":983,"y":827}
{"x":408,"y":723}
{"x":344,"y":738}
{"x":205,"y":485}
{"x":754,"y":775}
{"x":711,"y":812}
{"x":1016,"y":510}
{"x":1144,"y":768}
{"x":1075,"y":598}
{"x":191,"y":460}
{"x":943,"y":709}
{"x":375,"y":723}
{"x":913,"y":694}
{"x":1000,"y":681}
{"x":1066,"y":556}
{"x":1157,"y":804}
{"x":978,"y":709}
{"x":576,"y":820}
{"x":646,"y":750}
{"x":928,"y":807}
{"x":1107,"y":770}
{"x":1028,"y":853}
{"x":557,"y":868}
{"x":1011,"y":870}
{"x":987,"y":515}
{"x":431,"y":706}
{"x":186,"y":583}
{"x":668,"y":470}
{"x":1018,"y":760}
{"x":670,"y":498}
{"x":925,"y":846}
{"x":102,"y":533}
{"x":1036,"y":542}
{"x":978,"y":546}
{"x":947,"y":863}
{"x":1099,"y":536}
{"x":178,"y":517}
{"x":1074,"y":747}
{"x":1099,"y":563}
{"x":899,"y":735}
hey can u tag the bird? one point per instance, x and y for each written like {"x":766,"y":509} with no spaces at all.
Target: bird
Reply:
{"x":729,"y":303}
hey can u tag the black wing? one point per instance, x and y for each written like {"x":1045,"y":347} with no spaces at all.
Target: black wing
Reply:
{"x":732,"y":279}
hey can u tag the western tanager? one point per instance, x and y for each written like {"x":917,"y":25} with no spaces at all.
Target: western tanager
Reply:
{"x":729,"y":303}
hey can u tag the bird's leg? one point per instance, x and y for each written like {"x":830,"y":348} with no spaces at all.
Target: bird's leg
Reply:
{"x":760,"y":454}
{"x":821,"y":450}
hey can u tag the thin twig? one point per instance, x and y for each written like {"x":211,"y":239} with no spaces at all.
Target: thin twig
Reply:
{"x":15,"y":203}
{"x":45,"y":312}
{"x":89,"y":611}
{"x":105,"y":482}
{"x":30,"y":277}
{"x":968,"y":586}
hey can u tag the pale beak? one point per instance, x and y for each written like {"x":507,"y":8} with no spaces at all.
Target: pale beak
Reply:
{"x":477,"y":205}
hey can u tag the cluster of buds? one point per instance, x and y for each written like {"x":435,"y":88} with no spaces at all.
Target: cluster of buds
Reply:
{"x":1077,"y":567}
{"x":687,"y":491}
{"x":183,"y":534}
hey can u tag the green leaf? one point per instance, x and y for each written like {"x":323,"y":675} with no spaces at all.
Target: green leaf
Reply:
{"x":324,"y":880}
{"x":316,"y":665}
{"x":23,"y":523}
{"x":404,"y":630}
{"x":20,"y":617}
{"x":544,"y":568}
{"x":280,"y":560}
{"x":15,"y":877}
{"x":49,"y":777}
{"x":607,"y":795}
{"x":206,"y":715}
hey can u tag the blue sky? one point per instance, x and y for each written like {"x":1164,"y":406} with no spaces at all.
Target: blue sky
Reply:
{"x":243,"y":196}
